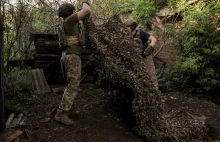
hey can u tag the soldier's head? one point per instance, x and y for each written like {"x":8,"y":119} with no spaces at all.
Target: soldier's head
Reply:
{"x":65,"y":10}
{"x":131,"y":25}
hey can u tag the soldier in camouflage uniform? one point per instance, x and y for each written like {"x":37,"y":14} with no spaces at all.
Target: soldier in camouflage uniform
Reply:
{"x":143,"y":37}
{"x":70,"y":59}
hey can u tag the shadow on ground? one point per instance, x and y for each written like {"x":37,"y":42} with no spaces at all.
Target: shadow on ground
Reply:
{"x":96,"y":120}
{"x":102,"y":117}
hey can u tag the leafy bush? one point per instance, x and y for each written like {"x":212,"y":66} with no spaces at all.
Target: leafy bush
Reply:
{"x":199,"y":63}
{"x":143,"y":10}
{"x":19,"y":91}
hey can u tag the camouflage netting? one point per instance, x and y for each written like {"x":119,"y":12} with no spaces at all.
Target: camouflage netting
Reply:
{"x":124,"y":65}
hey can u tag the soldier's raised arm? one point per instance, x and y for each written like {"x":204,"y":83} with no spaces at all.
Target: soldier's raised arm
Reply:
{"x":84,"y":11}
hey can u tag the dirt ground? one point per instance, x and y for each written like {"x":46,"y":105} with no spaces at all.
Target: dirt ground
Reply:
{"x":101,"y":117}
{"x":96,"y":120}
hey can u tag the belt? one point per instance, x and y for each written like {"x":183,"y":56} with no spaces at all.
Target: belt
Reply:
{"x":66,"y":53}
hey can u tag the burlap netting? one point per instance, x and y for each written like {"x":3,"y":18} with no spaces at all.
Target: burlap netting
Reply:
{"x":125,"y":66}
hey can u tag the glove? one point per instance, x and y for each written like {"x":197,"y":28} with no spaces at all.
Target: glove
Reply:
{"x":87,"y":2}
{"x":149,"y":50}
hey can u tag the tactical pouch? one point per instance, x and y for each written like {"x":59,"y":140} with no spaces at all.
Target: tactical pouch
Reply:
{"x":82,"y":40}
{"x":81,"y":37}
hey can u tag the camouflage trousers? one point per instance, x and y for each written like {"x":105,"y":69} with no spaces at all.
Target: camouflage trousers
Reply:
{"x":71,"y":65}
{"x":152,"y":71}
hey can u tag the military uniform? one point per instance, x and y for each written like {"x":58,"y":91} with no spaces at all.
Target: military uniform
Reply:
{"x":71,"y":67}
{"x":71,"y":62}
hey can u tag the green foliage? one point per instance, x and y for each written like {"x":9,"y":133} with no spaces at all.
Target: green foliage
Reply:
{"x":145,"y":9}
{"x":106,"y":8}
{"x":22,"y":19}
{"x":19,"y":90}
{"x":199,"y":62}
{"x":141,"y":10}
{"x":172,"y":3}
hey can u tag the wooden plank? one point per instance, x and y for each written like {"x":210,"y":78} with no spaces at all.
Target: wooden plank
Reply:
{"x":32,"y":80}
{"x":10,"y":119}
{"x":40,"y":81}
{"x":52,"y":71}
{"x":48,"y":55}
{"x":55,"y":50}
{"x":23,"y":121}
{"x":35,"y":77}
{"x":36,"y":36}
{"x":14,"y":123}
{"x":48,"y":50}
{"x":47,"y":43}
{"x":20,"y":116}
{"x":44,"y":82}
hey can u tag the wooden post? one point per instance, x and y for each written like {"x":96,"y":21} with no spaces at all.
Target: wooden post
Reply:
{"x":2,"y":122}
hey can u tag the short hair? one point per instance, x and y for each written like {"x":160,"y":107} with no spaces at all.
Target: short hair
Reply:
{"x":65,"y":10}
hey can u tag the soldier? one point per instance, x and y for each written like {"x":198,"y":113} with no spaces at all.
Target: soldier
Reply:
{"x":147,"y":49}
{"x":71,"y":61}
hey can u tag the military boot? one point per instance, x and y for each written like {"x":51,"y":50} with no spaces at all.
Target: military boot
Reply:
{"x":73,"y":114}
{"x":62,"y":116}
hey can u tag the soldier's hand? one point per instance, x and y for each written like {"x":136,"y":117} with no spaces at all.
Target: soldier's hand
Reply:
{"x":149,"y":50}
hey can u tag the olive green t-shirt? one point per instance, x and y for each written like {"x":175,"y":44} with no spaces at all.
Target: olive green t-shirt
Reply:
{"x":70,"y":24}
{"x":71,"y":29}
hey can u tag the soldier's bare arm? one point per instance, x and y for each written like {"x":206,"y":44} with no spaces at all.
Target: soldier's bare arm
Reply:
{"x":153,"y":41}
{"x":84,"y":11}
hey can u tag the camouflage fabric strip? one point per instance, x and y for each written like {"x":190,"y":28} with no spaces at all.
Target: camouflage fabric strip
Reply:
{"x":152,"y":71}
{"x":72,"y":64}
{"x":149,"y":61}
